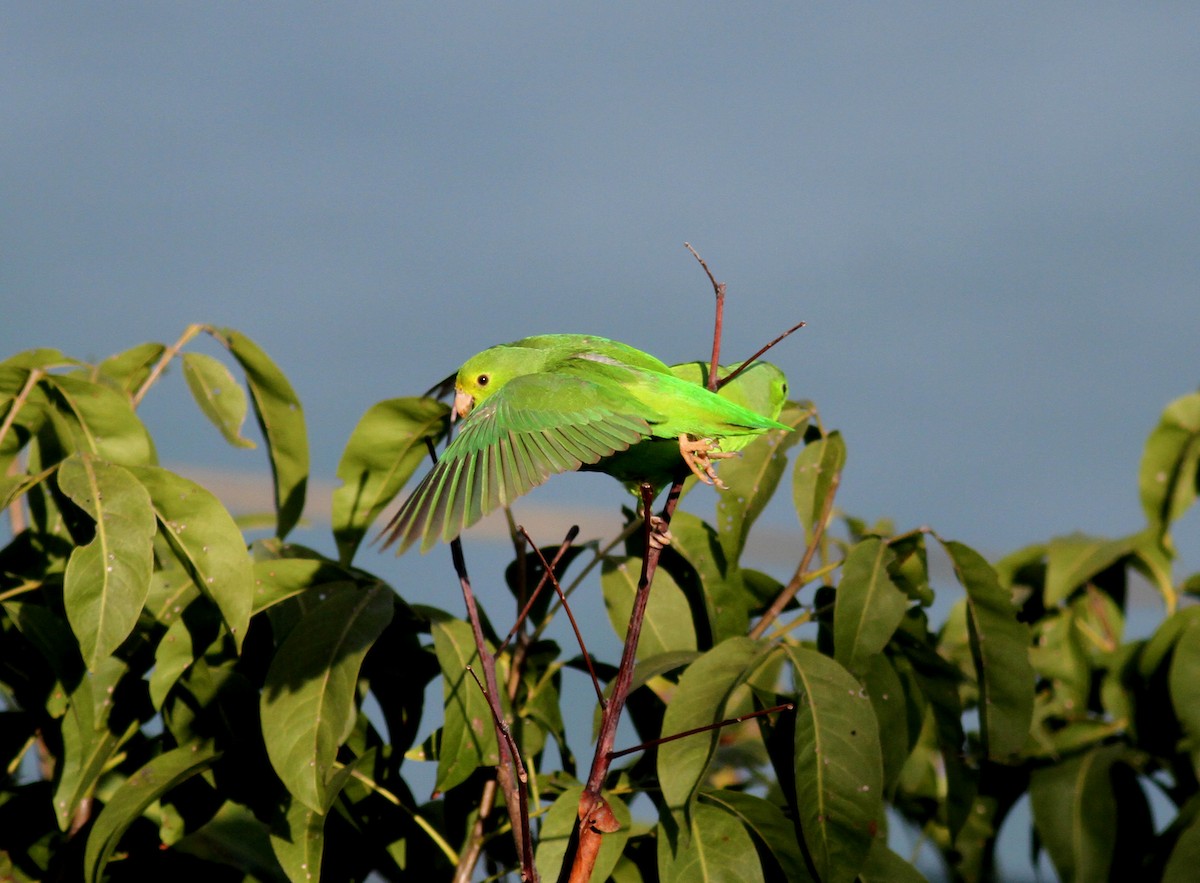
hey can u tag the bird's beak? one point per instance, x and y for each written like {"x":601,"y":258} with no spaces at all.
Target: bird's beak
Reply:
{"x":463,"y":404}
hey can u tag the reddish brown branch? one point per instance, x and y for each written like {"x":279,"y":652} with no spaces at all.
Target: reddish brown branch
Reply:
{"x":546,"y":577}
{"x":787,"y":706}
{"x":595,"y":817}
{"x":718,"y":321}
{"x":754,"y":358}
{"x":549,"y":572}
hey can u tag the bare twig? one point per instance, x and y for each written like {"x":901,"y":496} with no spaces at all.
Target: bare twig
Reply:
{"x":754,"y":358}
{"x":549,"y":572}
{"x":513,"y":792}
{"x":719,"y":320}
{"x":787,"y":706}
{"x":546,"y":578}
{"x":798,"y":579}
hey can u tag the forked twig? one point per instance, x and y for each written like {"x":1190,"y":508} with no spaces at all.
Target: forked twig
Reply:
{"x":549,"y":572}
{"x":754,"y":358}
{"x":718,"y":321}
{"x":547,"y":576}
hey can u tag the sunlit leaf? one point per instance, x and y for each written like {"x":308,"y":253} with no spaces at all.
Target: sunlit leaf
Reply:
{"x":751,"y":480}
{"x":838,"y":765}
{"x":107,"y":580}
{"x":814,"y":478}
{"x":90,"y":737}
{"x":769,"y":824}
{"x":101,"y":421}
{"x":282,"y":421}
{"x":385,"y":448}
{"x":1073,"y":560}
{"x":700,"y":701}
{"x":219,"y":396}
{"x":1170,"y":468}
{"x":668,"y":623}
{"x":298,"y":840}
{"x":128,"y":370}
{"x":141,"y":789}
{"x":308,"y":700}
{"x":468,"y":735}
{"x":1080,"y":804}
{"x":206,"y":541}
{"x":715,"y":847}
{"x":1001,"y":648}
{"x":868,"y":605}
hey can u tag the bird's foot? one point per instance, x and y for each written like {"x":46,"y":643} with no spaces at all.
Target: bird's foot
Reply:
{"x":698,"y":454}
{"x":660,"y":532}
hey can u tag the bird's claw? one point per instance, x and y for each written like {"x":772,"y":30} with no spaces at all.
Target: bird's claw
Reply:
{"x":660,"y":532}
{"x":698,"y":454}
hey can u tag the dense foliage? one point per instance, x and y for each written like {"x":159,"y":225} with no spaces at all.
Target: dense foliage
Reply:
{"x":173,"y":701}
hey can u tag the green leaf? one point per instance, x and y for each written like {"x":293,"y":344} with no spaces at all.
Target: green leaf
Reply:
{"x":885,"y":866}
{"x":218,"y":395}
{"x":282,"y":421}
{"x":727,"y":603}
{"x":107,"y":580}
{"x":868,"y":606}
{"x":1185,"y":855}
{"x":1072,"y":561}
{"x":1184,"y":685}
{"x":384,"y":450}
{"x":815,"y":478}
{"x":1170,"y":467}
{"x":172,"y":657}
{"x":1083,"y":807}
{"x":1000,"y":644}
{"x":714,"y":848}
{"x":236,"y":838}
{"x":308,"y":700}
{"x":128,"y":370}
{"x":838,"y":766}
{"x":558,"y":823}
{"x":101,"y":421}
{"x":700,"y":701}
{"x":298,"y":840}
{"x":141,"y":789}
{"x":769,"y":824}
{"x":751,"y":480}
{"x":206,"y":541}
{"x":668,"y":622}
{"x":890,"y":703}
{"x":468,"y":735}
{"x":89,"y":740}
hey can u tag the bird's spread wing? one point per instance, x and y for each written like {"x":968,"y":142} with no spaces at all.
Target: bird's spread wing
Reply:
{"x":538,"y":425}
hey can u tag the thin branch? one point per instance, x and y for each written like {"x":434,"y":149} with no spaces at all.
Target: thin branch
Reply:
{"x":595,"y":816}
{"x":546,"y":577}
{"x":35,"y":375}
{"x":549,"y":572}
{"x":528,"y":870}
{"x":797,"y":581}
{"x":718,"y":321}
{"x":160,"y":366}
{"x":504,"y":769}
{"x":754,"y":358}
{"x":787,"y":706}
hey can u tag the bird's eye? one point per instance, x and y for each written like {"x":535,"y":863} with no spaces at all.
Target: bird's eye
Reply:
{"x":482,"y":379}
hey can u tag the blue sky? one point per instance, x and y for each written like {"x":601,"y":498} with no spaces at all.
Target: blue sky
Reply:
{"x":988,"y":216}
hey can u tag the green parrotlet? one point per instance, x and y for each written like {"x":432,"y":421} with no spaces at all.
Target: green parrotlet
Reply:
{"x":562,"y":402}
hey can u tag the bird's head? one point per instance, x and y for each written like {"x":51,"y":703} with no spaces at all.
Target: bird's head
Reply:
{"x":484,"y":374}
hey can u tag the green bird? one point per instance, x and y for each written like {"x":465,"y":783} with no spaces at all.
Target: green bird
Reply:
{"x":563,"y":402}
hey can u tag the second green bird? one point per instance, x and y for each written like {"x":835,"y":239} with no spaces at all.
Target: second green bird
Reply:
{"x":561,"y":402}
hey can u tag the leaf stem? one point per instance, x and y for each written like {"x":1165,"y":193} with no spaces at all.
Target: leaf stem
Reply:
{"x":161,"y":365}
